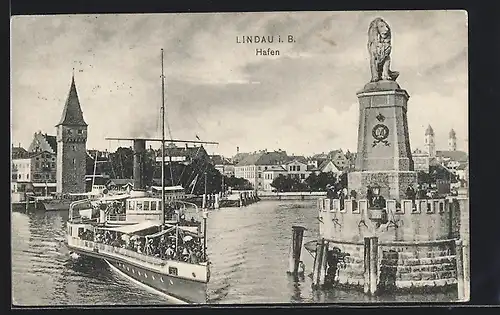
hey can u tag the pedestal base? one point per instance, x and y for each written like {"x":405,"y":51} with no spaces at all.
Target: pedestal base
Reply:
{"x":392,"y":184}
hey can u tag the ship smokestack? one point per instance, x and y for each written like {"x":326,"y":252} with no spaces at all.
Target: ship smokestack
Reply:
{"x":139,"y":149}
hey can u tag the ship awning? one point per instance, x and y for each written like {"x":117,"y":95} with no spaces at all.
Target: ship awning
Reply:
{"x":161,"y":233}
{"x":169,"y":188}
{"x":191,"y":230}
{"x":133,"y":228}
{"x":43,"y":185}
{"x":115,"y":197}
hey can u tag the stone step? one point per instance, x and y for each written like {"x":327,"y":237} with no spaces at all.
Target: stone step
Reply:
{"x":346,"y":279}
{"x":417,"y":276}
{"x":427,"y":261}
{"x":425,"y":283}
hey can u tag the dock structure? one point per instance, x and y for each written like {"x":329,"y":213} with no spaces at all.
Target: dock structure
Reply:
{"x":382,"y":238}
{"x":412,"y":246}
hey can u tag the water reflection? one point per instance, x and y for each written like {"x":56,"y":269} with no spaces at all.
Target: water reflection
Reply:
{"x":248,"y":248}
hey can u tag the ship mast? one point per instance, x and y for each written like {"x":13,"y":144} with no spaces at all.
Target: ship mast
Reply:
{"x":162,"y":142}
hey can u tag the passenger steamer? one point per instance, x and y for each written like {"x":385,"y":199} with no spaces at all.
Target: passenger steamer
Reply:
{"x":111,"y":228}
{"x":184,"y":282}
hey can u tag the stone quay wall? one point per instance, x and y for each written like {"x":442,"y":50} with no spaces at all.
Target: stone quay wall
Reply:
{"x":422,"y":245}
{"x":426,"y":220}
{"x":417,"y":266}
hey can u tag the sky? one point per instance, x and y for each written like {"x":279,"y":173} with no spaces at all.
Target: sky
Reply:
{"x":302,"y":101}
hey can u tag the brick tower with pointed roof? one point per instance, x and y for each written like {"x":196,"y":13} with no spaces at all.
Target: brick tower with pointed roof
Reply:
{"x":71,"y":146}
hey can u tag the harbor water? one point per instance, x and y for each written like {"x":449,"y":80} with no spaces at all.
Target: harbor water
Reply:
{"x":248,"y":248}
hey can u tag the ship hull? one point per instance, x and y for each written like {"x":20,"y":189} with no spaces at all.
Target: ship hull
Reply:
{"x":178,"y":290}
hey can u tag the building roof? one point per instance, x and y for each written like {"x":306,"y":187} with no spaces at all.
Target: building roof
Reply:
{"x":43,"y":142}
{"x":249,"y":159}
{"x":322,"y":156}
{"x":459,"y":156}
{"x":239,"y":156}
{"x":429,"y":131}
{"x":334,"y":153}
{"x":52,"y":141}
{"x":272,"y":158}
{"x":72,"y":113}
{"x":325,"y":163}
{"x":298,"y":158}
{"x":220,"y":160}
{"x":275,"y":168}
{"x":121,"y":181}
{"x":19,"y":153}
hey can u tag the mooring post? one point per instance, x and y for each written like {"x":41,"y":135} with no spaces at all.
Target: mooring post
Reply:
{"x":317,"y":264}
{"x":373,"y":264}
{"x":295,"y":249}
{"x":466,"y":255}
{"x":460,"y":269}
{"x":366,"y":264}
{"x":322,"y":270}
{"x":216,"y":201}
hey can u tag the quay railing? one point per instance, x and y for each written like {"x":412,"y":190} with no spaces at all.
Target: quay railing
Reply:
{"x":116,"y":217}
{"x":118,"y":251}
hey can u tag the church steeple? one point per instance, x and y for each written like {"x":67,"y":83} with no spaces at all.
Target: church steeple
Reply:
{"x":430,"y":145}
{"x":72,"y":114}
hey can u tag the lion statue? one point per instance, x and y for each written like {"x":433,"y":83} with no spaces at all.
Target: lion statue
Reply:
{"x":379,"y":47}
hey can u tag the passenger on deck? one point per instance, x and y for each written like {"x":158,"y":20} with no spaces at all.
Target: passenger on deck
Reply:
{"x":170,"y":252}
{"x":369,"y":197}
{"x":192,"y":257}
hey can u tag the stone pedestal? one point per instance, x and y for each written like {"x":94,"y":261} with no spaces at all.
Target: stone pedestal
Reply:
{"x":384,"y":156}
{"x":392,"y":184}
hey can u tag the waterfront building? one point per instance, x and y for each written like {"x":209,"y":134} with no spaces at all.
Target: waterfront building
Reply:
{"x":252,"y":166}
{"x":421,"y":160}
{"x":35,"y":169}
{"x":71,"y":145}
{"x":224,"y":165}
{"x":270,"y":174}
{"x":339,"y":159}
{"x":297,"y":169}
{"x":328,"y":166}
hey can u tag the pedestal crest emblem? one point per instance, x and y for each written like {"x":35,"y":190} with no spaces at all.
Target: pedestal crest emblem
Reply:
{"x":380,"y":132}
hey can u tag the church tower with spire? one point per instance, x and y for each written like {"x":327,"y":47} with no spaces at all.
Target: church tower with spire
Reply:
{"x":71,"y":146}
{"x":430,"y":145}
{"x":452,"y":141}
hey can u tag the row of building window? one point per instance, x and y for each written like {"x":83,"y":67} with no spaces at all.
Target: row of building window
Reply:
{"x":294,"y":168}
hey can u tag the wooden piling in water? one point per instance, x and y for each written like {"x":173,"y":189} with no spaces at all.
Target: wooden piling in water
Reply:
{"x":322,"y":270}
{"x":371,"y":265}
{"x":295,"y":249}
{"x":460,"y":269}
{"x":319,"y":264}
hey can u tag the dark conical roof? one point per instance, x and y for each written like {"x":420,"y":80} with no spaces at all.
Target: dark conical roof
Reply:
{"x":429,"y":131}
{"x":72,"y":114}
